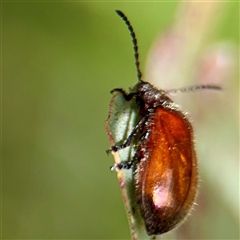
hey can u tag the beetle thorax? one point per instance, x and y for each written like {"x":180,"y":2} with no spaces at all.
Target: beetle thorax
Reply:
{"x":149,"y":97}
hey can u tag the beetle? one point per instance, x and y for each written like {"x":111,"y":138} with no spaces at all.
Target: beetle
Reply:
{"x":165,"y":163}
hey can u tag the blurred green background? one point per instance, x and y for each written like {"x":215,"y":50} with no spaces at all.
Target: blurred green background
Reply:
{"x":59,"y":62}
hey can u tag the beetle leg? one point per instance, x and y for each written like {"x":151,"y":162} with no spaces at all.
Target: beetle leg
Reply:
{"x":127,"y":96}
{"x":130,"y":138}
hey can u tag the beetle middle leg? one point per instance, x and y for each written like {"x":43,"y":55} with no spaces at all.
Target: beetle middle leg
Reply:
{"x":127,"y":164}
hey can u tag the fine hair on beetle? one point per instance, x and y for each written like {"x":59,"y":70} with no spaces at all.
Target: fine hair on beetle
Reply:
{"x":165,"y":163}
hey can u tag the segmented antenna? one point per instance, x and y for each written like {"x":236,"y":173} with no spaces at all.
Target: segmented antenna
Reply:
{"x":194,"y":88}
{"x":134,"y":40}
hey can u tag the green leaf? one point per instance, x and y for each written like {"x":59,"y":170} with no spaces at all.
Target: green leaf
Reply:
{"x":123,"y":116}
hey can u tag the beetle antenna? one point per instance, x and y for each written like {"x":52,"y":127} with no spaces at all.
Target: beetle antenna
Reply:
{"x":194,"y":88}
{"x":134,"y":40}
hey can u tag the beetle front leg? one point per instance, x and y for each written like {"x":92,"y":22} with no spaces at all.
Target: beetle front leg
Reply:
{"x":127,"y":96}
{"x":130,"y":138}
